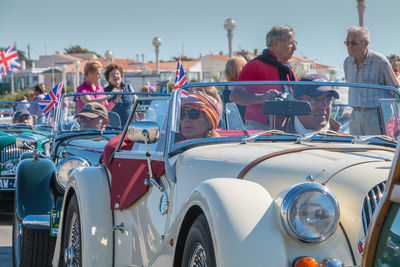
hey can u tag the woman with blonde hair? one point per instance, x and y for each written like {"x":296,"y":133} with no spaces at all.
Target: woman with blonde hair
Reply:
{"x":91,"y":84}
{"x":232,"y":69}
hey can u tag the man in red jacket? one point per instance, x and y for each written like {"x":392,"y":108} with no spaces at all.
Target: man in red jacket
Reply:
{"x":271,"y":65}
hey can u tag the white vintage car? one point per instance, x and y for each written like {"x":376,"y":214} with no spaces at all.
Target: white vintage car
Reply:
{"x":246,"y":198}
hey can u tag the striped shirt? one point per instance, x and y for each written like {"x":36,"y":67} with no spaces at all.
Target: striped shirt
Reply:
{"x":375,"y":69}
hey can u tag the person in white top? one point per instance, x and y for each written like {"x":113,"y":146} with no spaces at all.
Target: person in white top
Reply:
{"x":321,"y":99}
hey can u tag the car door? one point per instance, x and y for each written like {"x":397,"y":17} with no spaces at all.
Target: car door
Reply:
{"x":382,"y":247}
{"x":136,"y":202}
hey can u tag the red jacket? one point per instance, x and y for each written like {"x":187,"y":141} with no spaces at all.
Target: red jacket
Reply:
{"x":257,"y":70}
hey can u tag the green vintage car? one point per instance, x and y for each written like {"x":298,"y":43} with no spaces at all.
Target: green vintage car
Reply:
{"x":10,"y":129}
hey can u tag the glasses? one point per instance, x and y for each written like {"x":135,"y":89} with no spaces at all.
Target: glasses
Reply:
{"x":290,"y":42}
{"x":353,"y":43}
{"x":326,"y":101}
{"x":193,"y":114}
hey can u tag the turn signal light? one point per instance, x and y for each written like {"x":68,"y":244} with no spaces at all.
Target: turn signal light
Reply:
{"x":305,"y":262}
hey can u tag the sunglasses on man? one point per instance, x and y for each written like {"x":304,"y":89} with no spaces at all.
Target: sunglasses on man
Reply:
{"x":352,"y":43}
{"x":193,"y":114}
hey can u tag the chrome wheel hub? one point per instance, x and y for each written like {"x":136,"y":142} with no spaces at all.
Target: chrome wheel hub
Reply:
{"x":72,"y":251}
{"x":198,"y":257}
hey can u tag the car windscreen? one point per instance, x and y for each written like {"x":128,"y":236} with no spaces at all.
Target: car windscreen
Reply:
{"x":94,"y":111}
{"x":301,"y":108}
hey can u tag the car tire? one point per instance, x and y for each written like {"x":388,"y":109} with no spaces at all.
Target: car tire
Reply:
{"x":72,"y":235}
{"x":199,"y":249}
{"x":33,"y":248}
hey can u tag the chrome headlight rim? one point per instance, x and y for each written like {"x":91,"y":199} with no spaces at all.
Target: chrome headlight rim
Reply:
{"x":61,"y":182}
{"x":293,"y":195}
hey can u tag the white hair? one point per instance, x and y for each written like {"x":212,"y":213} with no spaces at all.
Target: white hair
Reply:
{"x":277,"y":32}
{"x":361,"y":31}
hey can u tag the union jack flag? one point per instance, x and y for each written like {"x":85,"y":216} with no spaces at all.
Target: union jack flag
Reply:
{"x":50,"y":101}
{"x":152,"y":87}
{"x":180,"y":78}
{"x":9,"y":60}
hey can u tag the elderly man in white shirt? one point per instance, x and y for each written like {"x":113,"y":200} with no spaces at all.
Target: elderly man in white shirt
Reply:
{"x":365,"y":66}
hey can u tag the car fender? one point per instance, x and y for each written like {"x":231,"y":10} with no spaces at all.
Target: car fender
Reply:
{"x":91,"y":187}
{"x":237,"y":212}
{"x":32,"y":189}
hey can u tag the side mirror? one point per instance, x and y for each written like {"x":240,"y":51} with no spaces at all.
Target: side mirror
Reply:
{"x":286,"y":107}
{"x":26,"y":142}
{"x":144,"y":131}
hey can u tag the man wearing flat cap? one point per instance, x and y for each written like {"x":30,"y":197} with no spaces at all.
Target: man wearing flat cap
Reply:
{"x":23,"y":117}
{"x":321,"y":100}
{"x":93,"y":115}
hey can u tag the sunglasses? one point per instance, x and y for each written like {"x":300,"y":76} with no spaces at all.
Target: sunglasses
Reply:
{"x":290,"y":42}
{"x":193,"y":114}
{"x":352,"y":43}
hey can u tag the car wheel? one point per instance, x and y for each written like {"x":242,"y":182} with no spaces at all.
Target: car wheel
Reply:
{"x":199,"y":250}
{"x":31,"y":247}
{"x":72,"y":235}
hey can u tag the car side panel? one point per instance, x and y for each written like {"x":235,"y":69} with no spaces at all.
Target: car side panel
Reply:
{"x":93,"y":193}
{"x":242,"y":216}
{"x":33,"y":192}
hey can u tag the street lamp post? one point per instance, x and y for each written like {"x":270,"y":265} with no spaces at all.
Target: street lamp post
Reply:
{"x":109,"y":57}
{"x":64,"y":74}
{"x":361,"y":9}
{"x":157,"y":43}
{"x":229,"y":26}
{"x":76,"y":64}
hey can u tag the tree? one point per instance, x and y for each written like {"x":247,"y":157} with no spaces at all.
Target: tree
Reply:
{"x":77,"y":49}
{"x":183,"y":58}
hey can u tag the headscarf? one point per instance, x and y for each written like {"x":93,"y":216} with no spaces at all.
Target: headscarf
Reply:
{"x":211,"y":107}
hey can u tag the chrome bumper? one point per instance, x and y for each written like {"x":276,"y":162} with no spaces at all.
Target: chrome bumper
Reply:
{"x":37,"y":222}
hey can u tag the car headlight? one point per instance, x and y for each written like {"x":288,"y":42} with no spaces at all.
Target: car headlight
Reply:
{"x":310,"y":213}
{"x":65,"y":168}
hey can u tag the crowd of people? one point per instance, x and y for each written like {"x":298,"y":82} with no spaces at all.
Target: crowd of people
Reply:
{"x":202,"y":109}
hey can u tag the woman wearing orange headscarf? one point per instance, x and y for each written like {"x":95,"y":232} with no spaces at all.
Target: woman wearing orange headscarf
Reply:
{"x":200,"y":114}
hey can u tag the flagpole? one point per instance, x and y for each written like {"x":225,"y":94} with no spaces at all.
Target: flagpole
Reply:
{"x":12,"y":83}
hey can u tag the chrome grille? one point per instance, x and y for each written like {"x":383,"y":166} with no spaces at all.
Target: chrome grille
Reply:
{"x":371,"y":201}
{"x":11,"y":151}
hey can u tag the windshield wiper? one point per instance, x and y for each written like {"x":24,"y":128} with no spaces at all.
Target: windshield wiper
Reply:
{"x":328,"y":133}
{"x":252,"y":137}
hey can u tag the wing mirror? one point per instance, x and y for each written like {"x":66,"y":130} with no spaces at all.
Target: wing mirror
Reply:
{"x":144,"y":132}
{"x":286,"y":107}
{"x":26,"y":142}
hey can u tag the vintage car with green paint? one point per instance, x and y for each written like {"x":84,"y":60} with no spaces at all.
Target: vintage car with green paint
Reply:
{"x":39,"y":191}
{"x":9,"y":153}
{"x":236,"y":198}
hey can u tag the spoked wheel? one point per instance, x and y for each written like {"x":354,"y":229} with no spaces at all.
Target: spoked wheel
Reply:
{"x":199,"y":250}
{"x":33,"y":248}
{"x":72,"y":234}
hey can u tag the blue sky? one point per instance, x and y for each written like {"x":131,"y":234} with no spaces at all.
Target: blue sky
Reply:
{"x":127,"y":27}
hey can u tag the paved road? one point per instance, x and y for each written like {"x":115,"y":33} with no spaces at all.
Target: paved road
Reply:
{"x":5,"y":240}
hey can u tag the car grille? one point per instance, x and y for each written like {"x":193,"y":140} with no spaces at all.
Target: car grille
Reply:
{"x":370,"y":204}
{"x":11,"y":151}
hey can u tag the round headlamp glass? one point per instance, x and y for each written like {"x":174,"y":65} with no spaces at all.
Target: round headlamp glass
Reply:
{"x":65,"y":168}
{"x":310,"y":213}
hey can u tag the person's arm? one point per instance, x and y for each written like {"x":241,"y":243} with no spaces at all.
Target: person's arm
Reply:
{"x":87,"y":99}
{"x":241,"y":96}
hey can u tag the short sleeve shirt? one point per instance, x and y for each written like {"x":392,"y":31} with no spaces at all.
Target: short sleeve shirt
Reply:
{"x":85,"y":87}
{"x":375,"y":69}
